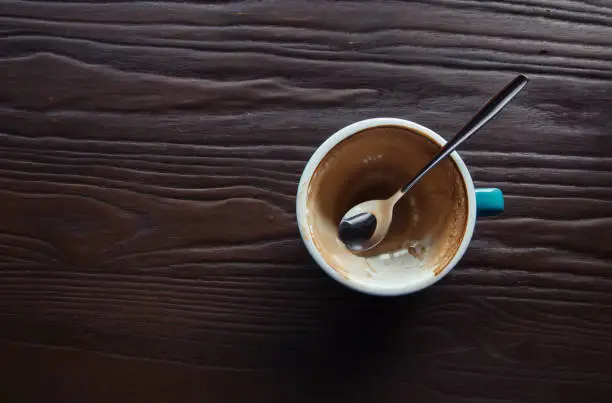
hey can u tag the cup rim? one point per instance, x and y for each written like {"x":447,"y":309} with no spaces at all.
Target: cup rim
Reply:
{"x":302,"y":195}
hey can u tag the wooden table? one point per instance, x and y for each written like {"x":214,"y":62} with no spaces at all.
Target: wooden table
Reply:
{"x":149,"y":157}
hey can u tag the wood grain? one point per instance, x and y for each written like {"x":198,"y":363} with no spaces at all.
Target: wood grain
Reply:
{"x":149,"y":157}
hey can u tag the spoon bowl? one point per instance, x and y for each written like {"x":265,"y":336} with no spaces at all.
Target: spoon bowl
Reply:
{"x":365,"y":225}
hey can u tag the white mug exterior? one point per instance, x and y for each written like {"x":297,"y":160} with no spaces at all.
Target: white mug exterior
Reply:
{"x":370,"y":287}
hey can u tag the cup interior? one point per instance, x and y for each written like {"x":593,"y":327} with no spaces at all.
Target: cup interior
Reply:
{"x":429,"y":223}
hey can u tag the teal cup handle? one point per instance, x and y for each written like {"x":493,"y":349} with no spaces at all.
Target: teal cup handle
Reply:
{"x":489,"y":202}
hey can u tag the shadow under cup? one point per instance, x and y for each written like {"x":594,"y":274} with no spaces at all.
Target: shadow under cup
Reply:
{"x":429,"y":223}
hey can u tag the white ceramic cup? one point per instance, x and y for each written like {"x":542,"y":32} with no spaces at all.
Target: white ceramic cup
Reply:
{"x":490,"y":202}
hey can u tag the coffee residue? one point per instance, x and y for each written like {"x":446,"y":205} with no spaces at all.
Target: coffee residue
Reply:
{"x":428,"y":224}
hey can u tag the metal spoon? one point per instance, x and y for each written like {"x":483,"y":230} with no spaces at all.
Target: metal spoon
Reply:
{"x":366,"y":224}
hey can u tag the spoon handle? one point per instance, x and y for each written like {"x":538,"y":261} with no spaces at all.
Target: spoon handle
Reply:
{"x":486,"y":113}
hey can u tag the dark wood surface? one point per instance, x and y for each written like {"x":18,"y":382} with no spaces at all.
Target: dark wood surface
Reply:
{"x":149,"y":156}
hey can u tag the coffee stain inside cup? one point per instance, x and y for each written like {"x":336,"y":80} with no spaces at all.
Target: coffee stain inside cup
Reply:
{"x":428,"y":224}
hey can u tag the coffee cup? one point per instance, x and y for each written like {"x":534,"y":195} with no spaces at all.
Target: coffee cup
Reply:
{"x":432,"y":225}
